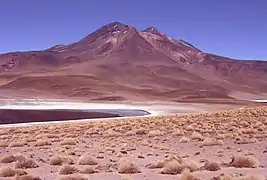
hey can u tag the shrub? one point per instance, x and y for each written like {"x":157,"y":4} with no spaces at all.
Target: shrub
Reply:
{"x":111,"y":133}
{"x":187,"y":175}
{"x":20,"y":172}
{"x":127,"y":167}
{"x":211,"y":142}
{"x":212,"y":166}
{"x":172,"y":167}
{"x":242,"y":161}
{"x":43,"y":143}
{"x":88,"y":170}
{"x":184,"y":140}
{"x":25,"y":164}
{"x":189,"y":164}
{"x":87,"y":160}
{"x":67,"y":169}
{"x":72,"y":177}
{"x":7,"y":172}
{"x":68,"y":141}
{"x":155,"y":133}
{"x":18,"y":143}
{"x":3,"y":144}
{"x":196,"y":136}
{"x":221,"y":136}
{"x":59,"y":160}
{"x":7,"y":159}
{"x":27,"y":177}
{"x":252,"y":177}
{"x":178,"y":133}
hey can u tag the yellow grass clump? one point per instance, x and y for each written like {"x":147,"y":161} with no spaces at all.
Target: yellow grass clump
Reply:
{"x":43,"y":143}
{"x":187,"y":175}
{"x":72,"y":177}
{"x":196,"y":136}
{"x":155,"y":133}
{"x":212,"y":166}
{"x":87,"y":160}
{"x":7,"y":172}
{"x":242,"y":161}
{"x":211,"y":142}
{"x":7,"y":158}
{"x":172,"y":167}
{"x":177,"y":132}
{"x":68,"y":141}
{"x":184,"y":140}
{"x":126,"y":166}
{"x":59,"y":160}
{"x":67,"y":169}
{"x":27,"y":177}
{"x":88,"y":170}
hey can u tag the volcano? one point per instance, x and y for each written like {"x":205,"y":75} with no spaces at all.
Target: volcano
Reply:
{"x":117,"y":62}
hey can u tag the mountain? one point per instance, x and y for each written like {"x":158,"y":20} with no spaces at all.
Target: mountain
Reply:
{"x":118,"y":62}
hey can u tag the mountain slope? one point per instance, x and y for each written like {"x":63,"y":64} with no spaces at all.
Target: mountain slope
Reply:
{"x":117,"y":62}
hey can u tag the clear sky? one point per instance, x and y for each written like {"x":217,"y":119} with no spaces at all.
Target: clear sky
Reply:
{"x":233,"y":28}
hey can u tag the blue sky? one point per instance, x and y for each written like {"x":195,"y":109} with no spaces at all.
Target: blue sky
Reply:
{"x":233,"y":28}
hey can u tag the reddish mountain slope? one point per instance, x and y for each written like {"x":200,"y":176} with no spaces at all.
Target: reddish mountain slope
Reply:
{"x":117,"y":62}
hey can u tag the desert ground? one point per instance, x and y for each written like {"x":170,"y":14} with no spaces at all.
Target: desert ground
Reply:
{"x":223,"y":145}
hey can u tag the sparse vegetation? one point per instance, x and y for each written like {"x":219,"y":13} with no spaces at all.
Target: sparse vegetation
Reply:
{"x":126,"y":146}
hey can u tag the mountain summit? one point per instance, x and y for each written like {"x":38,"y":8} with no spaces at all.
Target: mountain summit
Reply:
{"x":119,"y":62}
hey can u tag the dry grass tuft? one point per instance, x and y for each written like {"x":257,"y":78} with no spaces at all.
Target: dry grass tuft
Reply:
{"x":177,"y":133}
{"x":125,"y":166}
{"x":87,"y":160}
{"x":67,"y":169}
{"x":161,"y":164}
{"x":68,"y":141}
{"x":88,"y":170}
{"x":155,"y":133}
{"x":238,"y":177}
{"x":7,"y":172}
{"x":72,"y":177}
{"x":7,"y":158}
{"x":21,"y":172}
{"x":196,"y":136}
{"x":221,"y":136}
{"x":111,"y":133}
{"x":187,"y":175}
{"x":43,"y":143}
{"x":27,"y":177}
{"x":212,"y":166}
{"x":242,"y":161}
{"x":3,"y":144}
{"x":126,"y":177}
{"x":189,"y":164}
{"x":252,"y":177}
{"x":59,"y":160}
{"x":211,"y":142}
{"x":172,"y":167}
{"x":25,"y":164}
{"x":18,"y":143}
{"x":184,"y":140}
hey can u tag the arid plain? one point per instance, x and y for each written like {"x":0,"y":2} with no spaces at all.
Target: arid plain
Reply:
{"x":215,"y":145}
